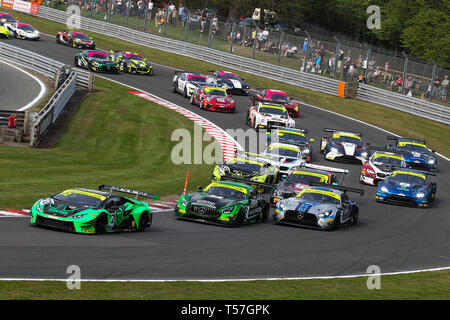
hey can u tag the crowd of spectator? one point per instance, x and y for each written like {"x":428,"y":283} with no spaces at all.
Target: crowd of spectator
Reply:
{"x":312,"y":57}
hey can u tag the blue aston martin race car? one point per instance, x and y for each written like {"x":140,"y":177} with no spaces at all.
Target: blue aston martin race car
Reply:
{"x":346,"y":146}
{"x":420,"y":157}
{"x":407,"y":187}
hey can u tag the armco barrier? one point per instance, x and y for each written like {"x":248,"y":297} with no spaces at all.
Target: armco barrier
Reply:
{"x":227,"y":60}
{"x":395,"y":100}
{"x":43,"y":65}
{"x":52,"y":110}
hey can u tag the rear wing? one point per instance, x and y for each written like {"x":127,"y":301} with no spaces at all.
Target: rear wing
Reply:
{"x":343,"y":172}
{"x":406,"y":169}
{"x":128,"y":191}
{"x":291,"y":129}
{"x":248,"y":181}
{"x":387,"y":150}
{"x":177,"y":72}
{"x":412,"y":139}
{"x":341,"y":188}
{"x":346,"y":131}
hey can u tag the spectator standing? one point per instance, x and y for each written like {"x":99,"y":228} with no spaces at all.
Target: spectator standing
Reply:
{"x":181,"y":12}
{"x":444,"y":89}
{"x":371,"y":68}
{"x":149,"y":10}
{"x":265,"y":35}
{"x":364,"y":66}
{"x":435,"y":86}
{"x":332,"y":62}
{"x":359,"y":64}
{"x":305,"y":46}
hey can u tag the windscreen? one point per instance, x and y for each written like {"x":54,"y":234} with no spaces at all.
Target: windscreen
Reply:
{"x":318,"y":197}
{"x":80,"y":198}
{"x":226,"y":192}
{"x":81,"y":36}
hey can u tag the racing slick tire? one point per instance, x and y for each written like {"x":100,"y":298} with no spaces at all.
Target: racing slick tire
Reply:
{"x":337,"y":222}
{"x":76,"y":62}
{"x":192,"y":99}
{"x":100,"y":224}
{"x":145,"y":221}
{"x":202,"y":104}
{"x":240,"y":219}
{"x":354,"y":218}
{"x":174,"y":87}
{"x":185,"y":95}
{"x":265,"y":213}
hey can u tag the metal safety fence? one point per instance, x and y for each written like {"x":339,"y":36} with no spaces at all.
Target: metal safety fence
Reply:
{"x":415,"y":106}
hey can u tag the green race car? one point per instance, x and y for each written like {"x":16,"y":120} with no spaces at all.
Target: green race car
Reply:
{"x":228,"y":203}
{"x":132,"y":62}
{"x":90,"y":211}
{"x":95,"y":60}
{"x":4,"y":32}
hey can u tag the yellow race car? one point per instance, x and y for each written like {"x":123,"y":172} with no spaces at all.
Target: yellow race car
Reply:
{"x":4,"y":32}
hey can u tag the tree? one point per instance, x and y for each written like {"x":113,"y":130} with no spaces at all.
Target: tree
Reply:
{"x":426,"y":35}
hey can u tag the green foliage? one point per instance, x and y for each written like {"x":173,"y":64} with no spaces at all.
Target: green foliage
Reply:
{"x":420,"y":27}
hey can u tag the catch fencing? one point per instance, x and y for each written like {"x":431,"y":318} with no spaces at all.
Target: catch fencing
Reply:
{"x":398,"y":101}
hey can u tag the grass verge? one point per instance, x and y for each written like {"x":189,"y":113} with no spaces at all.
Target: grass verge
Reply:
{"x":436,"y":134}
{"x":419,"y":286}
{"x":113,"y":138}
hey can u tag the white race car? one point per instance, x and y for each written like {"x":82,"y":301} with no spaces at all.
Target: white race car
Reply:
{"x":186,"y":82}
{"x":379,"y":166}
{"x":285,"y":156}
{"x":268,"y":115}
{"x":23,"y":31}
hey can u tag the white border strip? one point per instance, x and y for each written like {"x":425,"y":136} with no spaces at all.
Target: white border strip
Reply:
{"x":41,"y":84}
{"x":237,"y":280}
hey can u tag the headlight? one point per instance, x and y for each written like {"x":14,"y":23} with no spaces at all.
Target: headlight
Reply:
{"x":334,"y":150}
{"x":96,"y":63}
{"x":38,"y":207}
{"x":431,"y":161}
{"x":325,"y":214}
{"x":364,"y":154}
{"x":278,"y":192}
{"x":420,"y":195}
{"x":281,"y":206}
{"x":184,"y":202}
{"x":227,"y":209}
{"x":307,"y":151}
{"x":79,"y":216}
{"x":384,"y":189}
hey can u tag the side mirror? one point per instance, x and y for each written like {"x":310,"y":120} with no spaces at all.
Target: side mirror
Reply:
{"x":112,"y":51}
{"x":312,"y":140}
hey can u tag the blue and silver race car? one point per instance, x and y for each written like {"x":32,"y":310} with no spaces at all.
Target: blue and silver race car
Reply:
{"x":320,"y":206}
{"x":407,"y":187}
{"x":420,"y":157}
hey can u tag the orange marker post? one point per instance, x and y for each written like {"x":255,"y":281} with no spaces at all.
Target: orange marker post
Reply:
{"x":186,"y":183}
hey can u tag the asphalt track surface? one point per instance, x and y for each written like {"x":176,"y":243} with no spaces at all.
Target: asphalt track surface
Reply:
{"x":17,"y":89}
{"x":395,"y":238}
